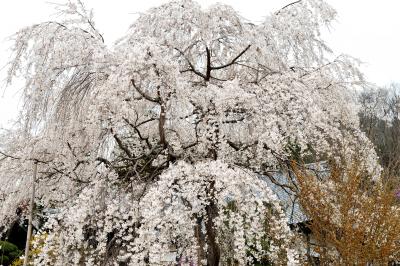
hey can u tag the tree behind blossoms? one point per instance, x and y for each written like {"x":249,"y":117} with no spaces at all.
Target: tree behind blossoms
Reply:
{"x":154,"y":146}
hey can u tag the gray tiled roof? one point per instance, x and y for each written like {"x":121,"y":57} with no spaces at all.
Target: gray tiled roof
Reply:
{"x":287,"y":197}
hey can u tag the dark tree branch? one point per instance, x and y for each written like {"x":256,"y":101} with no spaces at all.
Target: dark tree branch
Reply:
{"x":144,"y":122}
{"x":233,"y":145}
{"x":191,"y":67}
{"x":161,"y":126}
{"x":95,"y":30}
{"x":233,"y":121}
{"x":208,"y":66}
{"x":232,"y":61}
{"x":135,"y":127}
{"x":288,"y":5}
{"x":146,"y":96}
{"x":121,"y":145}
{"x":19,"y":158}
{"x":103,"y":160}
{"x":9,"y":156}
{"x":71,"y":149}
{"x":283,"y":186}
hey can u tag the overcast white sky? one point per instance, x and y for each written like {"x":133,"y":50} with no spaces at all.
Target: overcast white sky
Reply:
{"x":366,"y":29}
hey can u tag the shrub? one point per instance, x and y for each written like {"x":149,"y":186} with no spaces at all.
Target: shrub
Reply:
{"x":8,"y":252}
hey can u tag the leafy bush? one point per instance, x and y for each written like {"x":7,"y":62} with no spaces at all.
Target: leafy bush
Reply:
{"x":8,"y":252}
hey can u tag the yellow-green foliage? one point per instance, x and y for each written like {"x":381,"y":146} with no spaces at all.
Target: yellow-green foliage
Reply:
{"x":35,"y":248}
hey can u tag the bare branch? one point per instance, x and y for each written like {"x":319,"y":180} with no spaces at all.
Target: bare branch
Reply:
{"x":135,"y":127}
{"x":9,"y":156}
{"x":191,"y":67}
{"x":20,"y":158}
{"x":233,"y":60}
{"x":122,"y":146}
{"x":146,"y":96}
{"x":288,"y":5}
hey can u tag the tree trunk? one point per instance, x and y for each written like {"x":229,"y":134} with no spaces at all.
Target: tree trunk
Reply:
{"x":213,"y":251}
{"x":29,"y":233}
{"x":200,"y":240}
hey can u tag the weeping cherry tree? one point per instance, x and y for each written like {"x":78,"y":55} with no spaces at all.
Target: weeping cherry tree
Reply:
{"x":155,"y":145}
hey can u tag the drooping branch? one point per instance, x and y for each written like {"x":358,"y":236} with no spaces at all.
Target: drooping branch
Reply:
{"x":9,"y":156}
{"x":98,"y":33}
{"x":233,"y":61}
{"x":143,"y":94}
{"x":288,"y":5}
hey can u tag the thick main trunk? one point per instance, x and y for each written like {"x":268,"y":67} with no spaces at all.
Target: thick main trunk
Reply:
{"x":200,"y":240}
{"x":32,"y":203}
{"x":213,"y":252}
{"x":208,"y":237}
